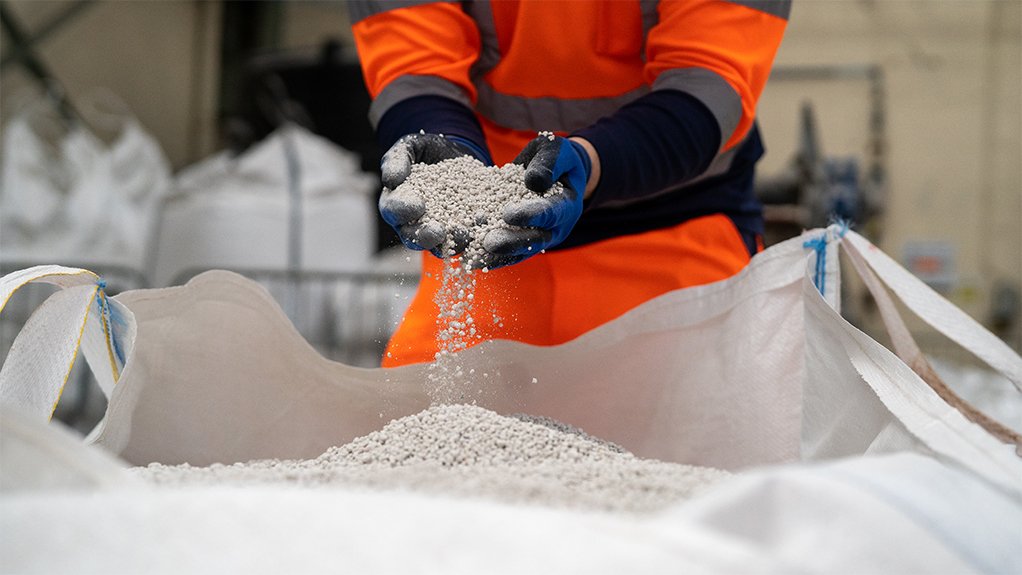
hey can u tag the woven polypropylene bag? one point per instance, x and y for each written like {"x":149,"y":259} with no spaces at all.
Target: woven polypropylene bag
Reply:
{"x":757,"y":369}
{"x":753,"y":370}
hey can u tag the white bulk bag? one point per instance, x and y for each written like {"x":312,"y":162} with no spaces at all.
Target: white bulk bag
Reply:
{"x":756,"y":369}
{"x":236,"y":212}
{"x":78,"y":199}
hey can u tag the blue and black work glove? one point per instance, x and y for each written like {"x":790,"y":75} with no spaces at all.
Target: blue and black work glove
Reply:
{"x":546,"y":219}
{"x":402,"y":208}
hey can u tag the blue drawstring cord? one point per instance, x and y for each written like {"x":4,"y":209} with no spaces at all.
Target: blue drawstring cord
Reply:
{"x":108,"y":313}
{"x":819,"y":245}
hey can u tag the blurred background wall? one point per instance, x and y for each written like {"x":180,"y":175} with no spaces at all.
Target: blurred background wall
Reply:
{"x":160,"y":58}
{"x":921,"y":98}
{"x":951,"y":128}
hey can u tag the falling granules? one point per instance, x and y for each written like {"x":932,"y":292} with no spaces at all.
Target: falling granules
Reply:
{"x":467,"y":199}
{"x":464,"y":450}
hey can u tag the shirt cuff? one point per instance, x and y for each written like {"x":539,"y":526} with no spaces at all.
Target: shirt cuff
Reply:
{"x":433,"y":115}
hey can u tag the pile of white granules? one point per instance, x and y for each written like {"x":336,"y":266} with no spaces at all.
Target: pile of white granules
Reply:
{"x":468,"y":199}
{"x":466,"y":450}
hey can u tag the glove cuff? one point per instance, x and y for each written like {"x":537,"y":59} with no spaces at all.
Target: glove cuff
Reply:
{"x":587,"y":162}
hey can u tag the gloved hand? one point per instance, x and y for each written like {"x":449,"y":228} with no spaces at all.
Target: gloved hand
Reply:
{"x":401,"y":208}
{"x":545,"y":220}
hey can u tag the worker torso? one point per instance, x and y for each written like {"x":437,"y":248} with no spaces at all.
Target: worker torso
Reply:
{"x":529,"y":65}
{"x":556,"y":66}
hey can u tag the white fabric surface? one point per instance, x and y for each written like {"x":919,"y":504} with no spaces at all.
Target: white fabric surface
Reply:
{"x":40,"y":458}
{"x":78,"y":318}
{"x":896,"y":514}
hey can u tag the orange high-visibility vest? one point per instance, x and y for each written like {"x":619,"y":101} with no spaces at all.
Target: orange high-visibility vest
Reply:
{"x":554,"y":297}
{"x":530,"y":65}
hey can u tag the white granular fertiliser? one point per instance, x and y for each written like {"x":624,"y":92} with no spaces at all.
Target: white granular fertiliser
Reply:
{"x":470,"y":451}
{"x":467,"y":199}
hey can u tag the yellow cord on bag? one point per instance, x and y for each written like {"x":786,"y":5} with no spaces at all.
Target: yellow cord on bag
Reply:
{"x":74,"y":357}
{"x":3,"y":304}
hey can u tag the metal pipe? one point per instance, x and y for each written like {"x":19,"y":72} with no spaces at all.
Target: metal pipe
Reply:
{"x":21,"y":43}
{"x":877,"y":147}
{"x":22,"y":52}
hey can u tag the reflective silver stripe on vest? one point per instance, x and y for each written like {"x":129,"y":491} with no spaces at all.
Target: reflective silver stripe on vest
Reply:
{"x":359,"y":10}
{"x":489,"y":55}
{"x":531,"y":114}
{"x":779,"y":8}
{"x":404,"y":87}
{"x":650,"y":18}
{"x":554,"y":114}
{"x":709,"y":88}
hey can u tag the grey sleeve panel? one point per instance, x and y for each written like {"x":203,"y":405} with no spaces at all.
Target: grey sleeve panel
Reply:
{"x":359,"y":10}
{"x":709,"y":88}
{"x":779,"y":8}
{"x":409,"y":86}
{"x":547,"y":113}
